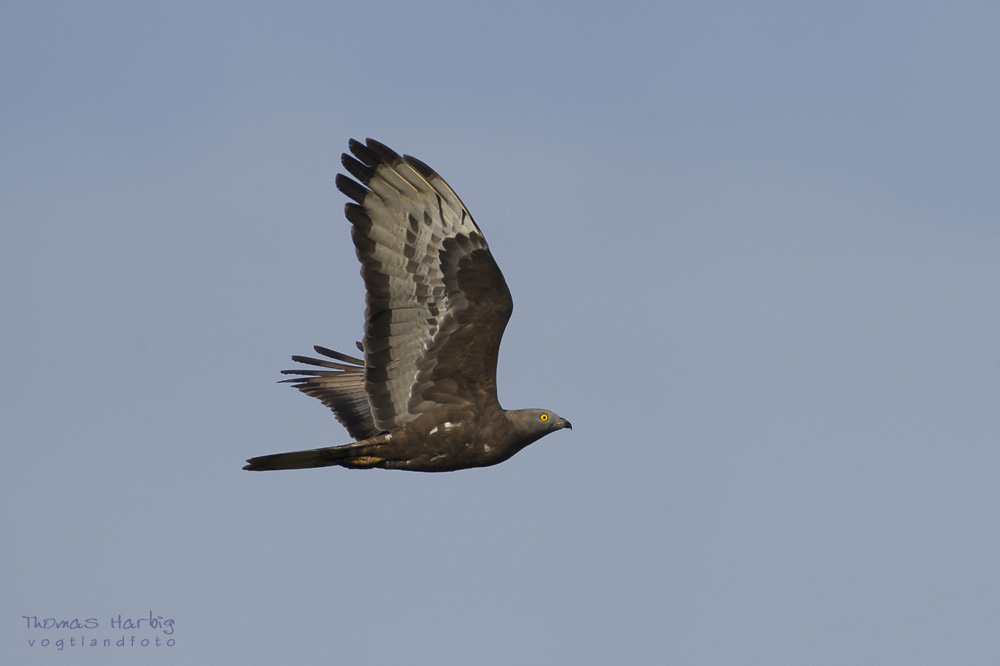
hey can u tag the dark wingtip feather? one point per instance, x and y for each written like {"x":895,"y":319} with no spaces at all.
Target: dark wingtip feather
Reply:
{"x":354,"y":146}
{"x":420,"y":167}
{"x":357,"y":216}
{"x":351,"y":188}
{"x":382,"y":151}
{"x":359,"y":170}
{"x":338,"y":356}
{"x":362,"y":153}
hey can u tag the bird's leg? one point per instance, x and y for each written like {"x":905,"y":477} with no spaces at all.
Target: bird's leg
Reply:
{"x":363,"y":462}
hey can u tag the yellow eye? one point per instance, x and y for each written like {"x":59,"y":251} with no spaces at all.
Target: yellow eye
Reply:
{"x":544,"y":417}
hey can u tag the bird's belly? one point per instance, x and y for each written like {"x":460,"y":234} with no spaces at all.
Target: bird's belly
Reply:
{"x":448,"y":451}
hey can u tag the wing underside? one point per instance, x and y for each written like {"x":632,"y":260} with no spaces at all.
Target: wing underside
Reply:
{"x":429,"y":276}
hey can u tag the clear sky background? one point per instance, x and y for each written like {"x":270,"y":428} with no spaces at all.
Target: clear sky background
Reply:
{"x":755,"y":256}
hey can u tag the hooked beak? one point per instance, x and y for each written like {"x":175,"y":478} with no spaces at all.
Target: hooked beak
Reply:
{"x":563,"y":423}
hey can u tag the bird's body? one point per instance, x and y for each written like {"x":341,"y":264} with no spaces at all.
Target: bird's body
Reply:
{"x":424,"y":396}
{"x":431,"y":443}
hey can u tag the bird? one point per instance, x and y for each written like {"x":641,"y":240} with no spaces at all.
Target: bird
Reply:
{"x":423,"y":397}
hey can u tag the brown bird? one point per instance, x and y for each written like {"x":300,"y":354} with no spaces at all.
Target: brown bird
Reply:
{"x":425,"y":396}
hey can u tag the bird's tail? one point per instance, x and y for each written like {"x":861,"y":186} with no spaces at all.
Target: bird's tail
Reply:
{"x":358,"y":455}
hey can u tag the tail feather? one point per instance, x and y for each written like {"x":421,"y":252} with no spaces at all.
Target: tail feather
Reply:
{"x":357,"y":455}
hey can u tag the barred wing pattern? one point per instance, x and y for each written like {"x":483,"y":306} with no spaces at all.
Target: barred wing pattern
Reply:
{"x":437,"y":303}
{"x":424,"y":398}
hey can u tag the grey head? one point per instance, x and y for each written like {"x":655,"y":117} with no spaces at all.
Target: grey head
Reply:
{"x":531,"y":424}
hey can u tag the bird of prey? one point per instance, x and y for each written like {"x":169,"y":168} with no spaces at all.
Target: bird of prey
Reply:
{"x":424,"y":397}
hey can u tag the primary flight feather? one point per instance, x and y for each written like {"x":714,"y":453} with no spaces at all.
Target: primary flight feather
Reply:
{"x":424,"y":396}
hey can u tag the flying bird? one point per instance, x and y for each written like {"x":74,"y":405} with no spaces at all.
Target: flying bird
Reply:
{"x":424,"y":397}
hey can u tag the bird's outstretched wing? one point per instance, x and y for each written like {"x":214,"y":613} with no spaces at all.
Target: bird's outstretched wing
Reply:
{"x":340,"y":385}
{"x":437,"y":304}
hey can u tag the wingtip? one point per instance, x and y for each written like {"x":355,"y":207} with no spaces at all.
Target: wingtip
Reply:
{"x":352,"y":189}
{"x":421,"y":167}
{"x":381,"y":151}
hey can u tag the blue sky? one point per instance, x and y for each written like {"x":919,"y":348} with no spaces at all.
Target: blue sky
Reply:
{"x":755,"y":258}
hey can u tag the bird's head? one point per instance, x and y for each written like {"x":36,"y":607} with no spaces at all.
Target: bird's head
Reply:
{"x":535,"y":423}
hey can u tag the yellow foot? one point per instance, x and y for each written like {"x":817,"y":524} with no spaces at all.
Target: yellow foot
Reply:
{"x":363,"y":462}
